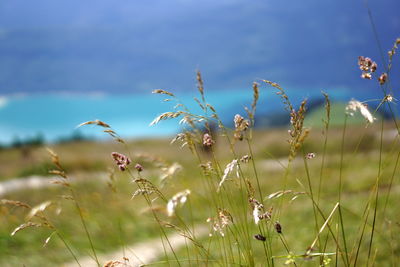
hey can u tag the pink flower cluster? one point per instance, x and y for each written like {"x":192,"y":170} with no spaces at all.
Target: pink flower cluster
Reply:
{"x":367,"y":66}
{"x":121,"y":160}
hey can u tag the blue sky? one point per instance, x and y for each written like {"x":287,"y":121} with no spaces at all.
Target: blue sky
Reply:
{"x":135,"y":46}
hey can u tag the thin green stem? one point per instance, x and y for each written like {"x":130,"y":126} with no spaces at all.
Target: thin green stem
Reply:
{"x":68,"y":247}
{"x":85,"y":226}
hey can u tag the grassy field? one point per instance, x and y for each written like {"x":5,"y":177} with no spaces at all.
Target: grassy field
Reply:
{"x":355,"y":164}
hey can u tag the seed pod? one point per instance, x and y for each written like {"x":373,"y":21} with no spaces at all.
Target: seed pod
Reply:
{"x":278,"y":228}
{"x":138,"y":167}
{"x":260,"y":237}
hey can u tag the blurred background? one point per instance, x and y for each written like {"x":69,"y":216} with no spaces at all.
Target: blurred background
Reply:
{"x":63,"y":63}
{"x":66,"y":62}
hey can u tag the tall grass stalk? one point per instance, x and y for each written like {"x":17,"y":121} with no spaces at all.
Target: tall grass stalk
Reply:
{"x":326,"y":130}
{"x":376,"y":193}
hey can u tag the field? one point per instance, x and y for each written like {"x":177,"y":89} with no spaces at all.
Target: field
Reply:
{"x":328,"y":198}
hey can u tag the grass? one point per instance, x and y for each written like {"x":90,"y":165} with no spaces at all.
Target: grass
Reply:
{"x":305,"y":197}
{"x":296,"y":218}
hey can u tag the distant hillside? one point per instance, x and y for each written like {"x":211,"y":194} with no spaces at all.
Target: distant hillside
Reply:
{"x":315,"y":117}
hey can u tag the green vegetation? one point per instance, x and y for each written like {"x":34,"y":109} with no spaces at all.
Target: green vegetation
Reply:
{"x":115,"y":220}
{"x":315,"y":117}
{"x":298,"y":196}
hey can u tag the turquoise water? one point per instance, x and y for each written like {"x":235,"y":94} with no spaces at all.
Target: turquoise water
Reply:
{"x":57,"y":115}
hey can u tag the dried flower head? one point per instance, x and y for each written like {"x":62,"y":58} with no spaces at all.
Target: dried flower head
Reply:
{"x":310,"y":155}
{"x":245,"y":159}
{"x":258,"y":211}
{"x":373,"y":67}
{"x":161,"y":91}
{"x":114,"y":264}
{"x":297,"y":132}
{"x":278,"y":227}
{"x":355,"y":105}
{"x":388,"y":98}
{"x":260,"y":237}
{"x":392,"y":52}
{"x":367,"y":66}
{"x":121,"y":160}
{"x":382,"y":79}
{"x":179,"y":198}
{"x":223,"y":219}
{"x":139,"y":167}
{"x":207,"y":140}
{"x":241,"y":125}
{"x":366,"y":75}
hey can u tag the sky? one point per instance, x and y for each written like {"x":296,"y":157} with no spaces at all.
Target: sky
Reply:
{"x":131,"y":46}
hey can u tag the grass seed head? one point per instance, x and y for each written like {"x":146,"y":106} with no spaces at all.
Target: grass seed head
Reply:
{"x":38,"y":209}
{"x":382,"y":79}
{"x":258,"y":209}
{"x":14,"y":203}
{"x":200,"y":84}
{"x":95,"y":122}
{"x":26,"y":225}
{"x":179,"y":198}
{"x":278,"y":227}
{"x":160,"y":91}
{"x":260,"y":237}
{"x":355,"y":105}
{"x":165,"y":116}
{"x":54,"y":158}
{"x":223,"y":219}
{"x":241,"y":125}
{"x":228,"y":169}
